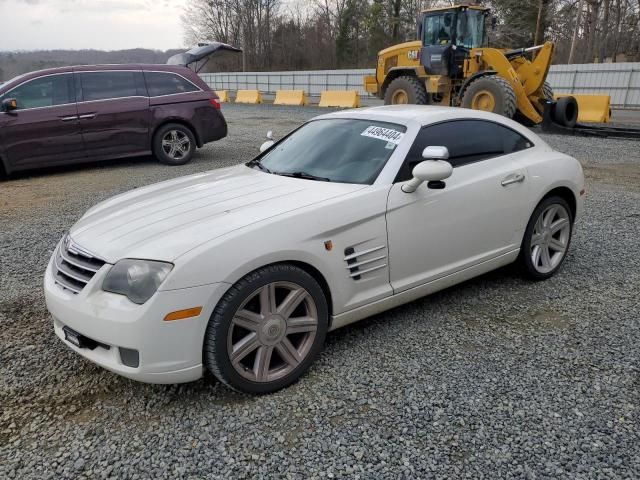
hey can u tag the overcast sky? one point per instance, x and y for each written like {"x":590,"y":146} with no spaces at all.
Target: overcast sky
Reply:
{"x":100,"y":24}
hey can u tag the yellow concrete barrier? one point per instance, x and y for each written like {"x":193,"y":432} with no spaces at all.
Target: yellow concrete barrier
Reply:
{"x":592,"y":108}
{"x":339,"y":98}
{"x":223,"y":95}
{"x":248,"y":96}
{"x":290,"y":97}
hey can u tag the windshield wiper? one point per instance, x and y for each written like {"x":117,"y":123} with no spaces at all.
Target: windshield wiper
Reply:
{"x":256,"y":163}
{"x":304,"y":175}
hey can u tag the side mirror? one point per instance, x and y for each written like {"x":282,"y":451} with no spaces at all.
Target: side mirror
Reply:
{"x":434,"y":169}
{"x":494,"y":23}
{"x":9,"y":104}
{"x":266,"y":145}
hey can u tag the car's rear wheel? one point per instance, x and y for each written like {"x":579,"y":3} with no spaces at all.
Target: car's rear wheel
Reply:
{"x":174,"y":144}
{"x":267,"y":329}
{"x":547,"y":238}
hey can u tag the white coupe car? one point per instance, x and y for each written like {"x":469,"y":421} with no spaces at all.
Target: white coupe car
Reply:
{"x":243,"y":270}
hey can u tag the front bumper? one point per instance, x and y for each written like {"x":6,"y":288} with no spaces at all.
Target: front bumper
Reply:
{"x":168,"y":352}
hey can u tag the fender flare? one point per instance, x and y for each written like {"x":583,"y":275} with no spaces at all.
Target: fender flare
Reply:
{"x":467,"y":82}
{"x":396,"y":72}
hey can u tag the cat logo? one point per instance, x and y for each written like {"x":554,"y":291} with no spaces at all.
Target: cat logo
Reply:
{"x":412,"y":54}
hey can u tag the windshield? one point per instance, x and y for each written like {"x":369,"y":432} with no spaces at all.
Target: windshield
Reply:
{"x":336,"y":150}
{"x":470,"y":29}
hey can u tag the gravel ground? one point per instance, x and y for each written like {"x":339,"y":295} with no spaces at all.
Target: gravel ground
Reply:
{"x":494,"y":378}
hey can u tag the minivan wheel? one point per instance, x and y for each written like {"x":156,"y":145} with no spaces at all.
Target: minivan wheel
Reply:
{"x":546,"y":239}
{"x":174,"y":144}
{"x":266,"y":330}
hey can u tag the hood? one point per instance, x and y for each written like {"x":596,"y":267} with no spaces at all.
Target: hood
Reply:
{"x":200,"y":52}
{"x":166,"y":220}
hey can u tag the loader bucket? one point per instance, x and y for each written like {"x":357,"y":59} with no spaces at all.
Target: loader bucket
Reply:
{"x":592,"y":108}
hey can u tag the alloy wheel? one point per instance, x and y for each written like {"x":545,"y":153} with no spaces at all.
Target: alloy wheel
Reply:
{"x":550,"y":238}
{"x":272,"y":332}
{"x":176,"y":144}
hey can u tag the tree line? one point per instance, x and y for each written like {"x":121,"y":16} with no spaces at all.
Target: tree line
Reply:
{"x":328,"y":34}
{"x":17,"y":63}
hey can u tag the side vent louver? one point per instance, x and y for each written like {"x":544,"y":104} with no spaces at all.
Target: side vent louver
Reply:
{"x":360,"y":263}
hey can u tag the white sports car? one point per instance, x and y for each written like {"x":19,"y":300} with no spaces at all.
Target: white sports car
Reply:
{"x":243,"y":270}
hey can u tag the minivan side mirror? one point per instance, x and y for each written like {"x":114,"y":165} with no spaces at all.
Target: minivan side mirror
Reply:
{"x":434,"y":169}
{"x":9,"y":104}
{"x":266,"y":145}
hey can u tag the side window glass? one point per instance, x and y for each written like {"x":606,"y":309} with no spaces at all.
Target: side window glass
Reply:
{"x":468,"y":141}
{"x":512,"y":141}
{"x":47,"y":91}
{"x":108,"y":85}
{"x":165,"y":83}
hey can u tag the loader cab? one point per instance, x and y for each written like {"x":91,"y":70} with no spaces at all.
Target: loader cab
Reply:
{"x":447,"y":37}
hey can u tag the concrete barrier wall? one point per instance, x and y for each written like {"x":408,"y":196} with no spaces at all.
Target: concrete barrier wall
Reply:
{"x":619,"y":80}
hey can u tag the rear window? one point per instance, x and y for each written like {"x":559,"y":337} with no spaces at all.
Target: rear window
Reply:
{"x":108,"y":85}
{"x":166,"y":83}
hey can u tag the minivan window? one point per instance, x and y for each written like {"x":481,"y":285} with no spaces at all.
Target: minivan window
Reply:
{"x":468,"y":141}
{"x":165,"y":83}
{"x":108,"y":85}
{"x":41,"y":92}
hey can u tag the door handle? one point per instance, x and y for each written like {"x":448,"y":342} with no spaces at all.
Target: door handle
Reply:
{"x":517,"y":178}
{"x":87,"y":116}
{"x":70,"y":118}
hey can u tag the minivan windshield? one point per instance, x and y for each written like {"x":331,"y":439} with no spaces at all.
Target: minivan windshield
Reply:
{"x":336,"y":150}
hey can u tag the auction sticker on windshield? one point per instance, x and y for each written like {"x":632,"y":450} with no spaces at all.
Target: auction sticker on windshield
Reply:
{"x":386,"y":134}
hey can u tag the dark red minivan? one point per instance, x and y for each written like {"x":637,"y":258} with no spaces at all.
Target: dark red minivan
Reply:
{"x":91,"y":113}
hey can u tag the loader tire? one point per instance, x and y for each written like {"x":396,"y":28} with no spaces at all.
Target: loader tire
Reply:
{"x":565,"y":112}
{"x":405,"y":89}
{"x":491,"y":94}
{"x":547,"y":91}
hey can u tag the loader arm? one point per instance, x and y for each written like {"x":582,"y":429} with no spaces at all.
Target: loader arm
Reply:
{"x":533,"y":74}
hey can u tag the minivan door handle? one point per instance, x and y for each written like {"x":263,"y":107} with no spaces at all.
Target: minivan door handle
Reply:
{"x":515,"y":178}
{"x":70,"y":118}
{"x":87,"y":116}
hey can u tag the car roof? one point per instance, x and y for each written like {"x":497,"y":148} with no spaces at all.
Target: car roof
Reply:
{"x":84,"y":68}
{"x":427,"y":115}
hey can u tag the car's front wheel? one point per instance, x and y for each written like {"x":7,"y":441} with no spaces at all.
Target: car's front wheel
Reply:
{"x":546,"y":239}
{"x":267,"y":329}
{"x":174,"y":144}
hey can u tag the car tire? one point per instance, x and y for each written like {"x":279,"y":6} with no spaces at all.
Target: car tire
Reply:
{"x":174,"y":144}
{"x":267,"y":330}
{"x":565,"y":112}
{"x":546,"y":238}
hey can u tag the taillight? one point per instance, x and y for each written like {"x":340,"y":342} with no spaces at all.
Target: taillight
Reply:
{"x":215,"y":103}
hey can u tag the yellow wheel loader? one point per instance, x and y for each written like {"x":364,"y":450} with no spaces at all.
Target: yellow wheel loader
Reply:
{"x":450,"y":65}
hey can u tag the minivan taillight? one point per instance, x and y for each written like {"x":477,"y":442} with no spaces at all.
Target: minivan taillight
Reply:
{"x":215,"y":103}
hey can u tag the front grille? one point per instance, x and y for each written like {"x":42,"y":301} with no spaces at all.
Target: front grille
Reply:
{"x":74,"y":266}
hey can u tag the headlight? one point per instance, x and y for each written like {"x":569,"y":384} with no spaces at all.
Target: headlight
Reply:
{"x":138,"y":280}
